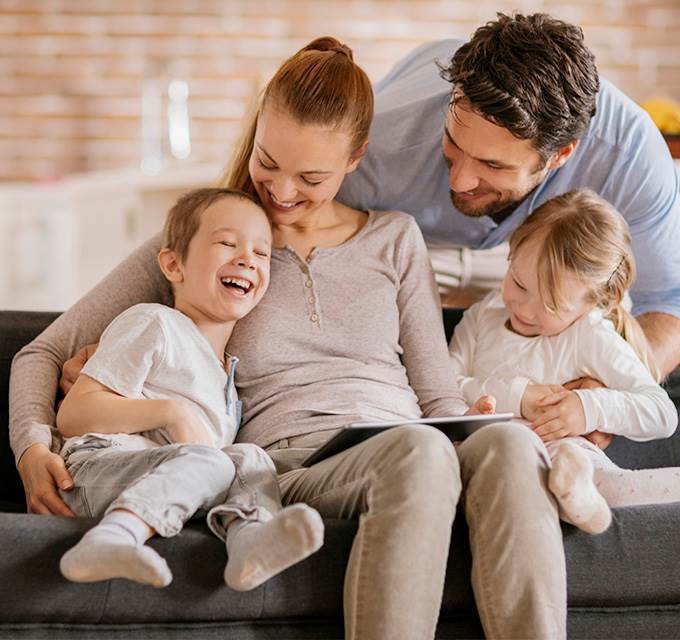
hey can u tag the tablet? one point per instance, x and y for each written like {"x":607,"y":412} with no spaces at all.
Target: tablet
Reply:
{"x":456,"y":427}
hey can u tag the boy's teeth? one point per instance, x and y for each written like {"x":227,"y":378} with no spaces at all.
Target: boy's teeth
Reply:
{"x":244,"y":284}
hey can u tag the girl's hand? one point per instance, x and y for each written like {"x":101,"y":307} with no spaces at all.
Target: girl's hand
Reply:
{"x":483,"y":405}
{"x":183,"y":424}
{"x":41,"y":471}
{"x":562,"y":415}
{"x":532,"y":394}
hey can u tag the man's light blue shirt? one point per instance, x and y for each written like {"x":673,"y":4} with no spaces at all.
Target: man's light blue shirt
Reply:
{"x":622,"y":157}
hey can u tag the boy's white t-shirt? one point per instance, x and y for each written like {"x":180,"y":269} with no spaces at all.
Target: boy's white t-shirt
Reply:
{"x":154,"y":352}
{"x":489,"y":358}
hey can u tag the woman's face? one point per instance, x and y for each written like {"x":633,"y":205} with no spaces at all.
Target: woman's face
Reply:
{"x":297,"y":169}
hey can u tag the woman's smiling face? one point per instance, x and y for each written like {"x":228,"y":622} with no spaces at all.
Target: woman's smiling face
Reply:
{"x":297,"y":169}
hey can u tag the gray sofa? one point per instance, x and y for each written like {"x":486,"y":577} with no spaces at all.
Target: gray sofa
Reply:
{"x":624,"y":583}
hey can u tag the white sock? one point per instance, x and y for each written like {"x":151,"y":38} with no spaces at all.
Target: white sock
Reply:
{"x":115,"y":549}
{"x":571,"y":482}
{"x":259,"y":550}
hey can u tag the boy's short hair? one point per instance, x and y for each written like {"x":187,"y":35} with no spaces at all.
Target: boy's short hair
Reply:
{"x":184,"y":218}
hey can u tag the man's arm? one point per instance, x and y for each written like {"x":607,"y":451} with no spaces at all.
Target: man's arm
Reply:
{"x":663,"y":334}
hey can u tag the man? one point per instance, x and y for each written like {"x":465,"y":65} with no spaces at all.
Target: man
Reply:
{"x":470,"y":137}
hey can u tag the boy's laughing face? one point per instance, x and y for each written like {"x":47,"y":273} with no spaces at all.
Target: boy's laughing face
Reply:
{"x":226,"y":270}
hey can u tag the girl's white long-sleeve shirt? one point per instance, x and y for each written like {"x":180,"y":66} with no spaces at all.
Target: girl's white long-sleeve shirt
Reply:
{"x":489,"y":358}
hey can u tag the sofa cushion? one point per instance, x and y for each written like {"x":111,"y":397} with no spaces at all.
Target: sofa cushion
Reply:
{"x":636,"y":563}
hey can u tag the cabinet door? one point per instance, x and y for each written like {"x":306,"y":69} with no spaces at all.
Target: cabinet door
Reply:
{"x":37,"y":251}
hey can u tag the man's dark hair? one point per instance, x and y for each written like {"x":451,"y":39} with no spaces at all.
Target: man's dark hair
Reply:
{"x":532,"y":75}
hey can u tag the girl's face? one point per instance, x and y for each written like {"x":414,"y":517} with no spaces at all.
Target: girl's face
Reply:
{"x":297,"y":169}
{"x":528,"y":315}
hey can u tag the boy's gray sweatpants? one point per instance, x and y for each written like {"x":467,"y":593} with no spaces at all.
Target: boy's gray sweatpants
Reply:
{"x":166,"y":485}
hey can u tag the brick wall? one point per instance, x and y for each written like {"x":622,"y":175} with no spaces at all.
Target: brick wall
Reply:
{"x":73,"y":70}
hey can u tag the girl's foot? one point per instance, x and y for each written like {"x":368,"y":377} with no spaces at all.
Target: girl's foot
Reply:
{"x":571,"y":482}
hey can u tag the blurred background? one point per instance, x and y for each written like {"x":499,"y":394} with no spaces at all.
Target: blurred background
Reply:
{"x":109,"y":110}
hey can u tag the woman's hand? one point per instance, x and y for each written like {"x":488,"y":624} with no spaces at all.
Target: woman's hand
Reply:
{"x":183,"y":424}
{"x":483,"y":405}
{"x":532,"y":394}
{"x":561,"y":415}
{"x":73,"y":366}
{"x":41,"y":471}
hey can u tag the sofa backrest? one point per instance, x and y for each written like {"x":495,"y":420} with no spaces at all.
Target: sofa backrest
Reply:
{"x":17,"y":328}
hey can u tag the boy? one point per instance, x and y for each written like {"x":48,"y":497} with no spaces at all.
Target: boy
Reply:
{"x":149,"y":424}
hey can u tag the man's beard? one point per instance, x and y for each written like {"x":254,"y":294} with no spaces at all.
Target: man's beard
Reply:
{"x":498,"y":210}
{"x":504,"y":206}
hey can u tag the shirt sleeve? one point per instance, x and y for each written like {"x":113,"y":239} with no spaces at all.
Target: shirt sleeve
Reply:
{"x":508,"y":392}
{"x":633,"y":404}
{"x":643,"y":186}
{"x":421,"y":330}
{"x":37,"y":367}
{"x":129,"y":350}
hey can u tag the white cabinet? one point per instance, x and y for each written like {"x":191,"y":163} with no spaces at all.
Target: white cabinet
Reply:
{"x":58,"y":240}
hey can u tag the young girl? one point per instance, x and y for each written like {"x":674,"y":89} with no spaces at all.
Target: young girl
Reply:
{"x":560,"y":317}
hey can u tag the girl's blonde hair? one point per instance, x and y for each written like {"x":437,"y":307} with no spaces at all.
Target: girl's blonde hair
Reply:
{"x":321,"y":85}
{"x":584,"y":235}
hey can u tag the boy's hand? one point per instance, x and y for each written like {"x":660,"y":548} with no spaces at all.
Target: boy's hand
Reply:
{"x":562,"y":415}
{"x":483,"y":405}
{"x":183,"y":424}
{"x":73,"y":366}
{"x":532,"y":394}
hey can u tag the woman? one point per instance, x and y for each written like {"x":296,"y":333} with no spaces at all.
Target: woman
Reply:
{"x":350,"y":329}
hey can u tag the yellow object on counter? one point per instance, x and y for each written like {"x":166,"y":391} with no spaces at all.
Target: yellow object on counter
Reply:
{"x":665,"y":113}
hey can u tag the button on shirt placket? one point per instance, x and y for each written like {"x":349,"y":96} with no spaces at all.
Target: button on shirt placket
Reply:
{"x":310,"y":296}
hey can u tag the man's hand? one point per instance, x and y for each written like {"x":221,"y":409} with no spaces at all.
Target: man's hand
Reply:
{"x":584,"y":383}
{"x":72,"y":367}
{"x":599,"y":439}
{"x":482,"y":406}
{"x":562,"y":415}
{"x":183,"y":424}
{"x":532,"y":394}
{"x":41,"y":471}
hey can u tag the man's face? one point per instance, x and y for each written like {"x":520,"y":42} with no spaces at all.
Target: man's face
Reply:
{"x":490,"y":170}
